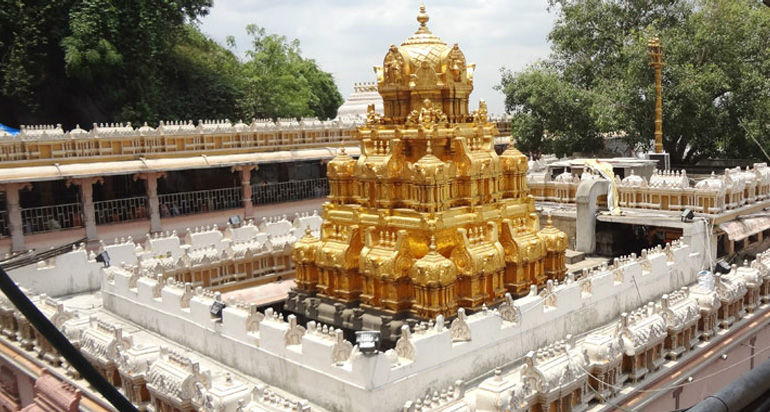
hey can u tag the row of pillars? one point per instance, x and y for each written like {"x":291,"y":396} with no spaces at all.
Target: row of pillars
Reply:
{"x":16,"y":225}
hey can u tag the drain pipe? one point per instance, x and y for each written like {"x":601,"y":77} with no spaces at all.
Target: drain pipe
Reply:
{"x":738,"y":394}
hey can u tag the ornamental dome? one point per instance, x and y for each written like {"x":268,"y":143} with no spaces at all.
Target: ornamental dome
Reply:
{"x":304,"y":250}
{"x":430,"y":169}
{"x":77,"y":132}
{"x":146,"y":130}
{"x":433,"y":268}
{"x":555,"y":240}
{"x":716,"y":183}
{"x":424,"y":67}
{"x":633,"y":180}
{"x":341,"y":166}
{"x":564,"y":177}
{"x":513,"y":160}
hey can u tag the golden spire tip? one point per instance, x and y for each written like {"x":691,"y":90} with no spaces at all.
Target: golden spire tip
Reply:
{"x":422,"y":17}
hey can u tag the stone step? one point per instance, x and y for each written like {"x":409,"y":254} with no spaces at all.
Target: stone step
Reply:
{"x":573,"y":256}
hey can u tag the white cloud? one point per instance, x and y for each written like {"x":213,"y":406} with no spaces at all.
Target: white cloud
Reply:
{"x":348,"y":37}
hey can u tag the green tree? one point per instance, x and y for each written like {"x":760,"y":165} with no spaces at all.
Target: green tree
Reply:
{"x":88,"y":61}
{"x":28,"y":54}
{"x":202,"y":80}
{"x":325,"y":97}
{"x":126,"y":47}
{"x":91,"y":61}
{"x":281,"y":83}
{"x":537,"y":94}
{"x":715,"y":84}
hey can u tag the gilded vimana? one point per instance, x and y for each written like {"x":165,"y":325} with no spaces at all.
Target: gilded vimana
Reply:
{"x":603,"y":245}
{"x":429,"y":218}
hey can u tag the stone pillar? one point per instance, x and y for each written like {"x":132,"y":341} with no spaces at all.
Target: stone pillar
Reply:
{"x":248,"y":206}
{"x":15,"y":224}
{"x":585,"y":199}
{"x":87,"y":199}
{"x":151,"y":184}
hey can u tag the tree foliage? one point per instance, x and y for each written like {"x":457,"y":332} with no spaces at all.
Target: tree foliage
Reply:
{"x":281,"y":83}
{"x":86,"y":61}
{"x":716,"y":90}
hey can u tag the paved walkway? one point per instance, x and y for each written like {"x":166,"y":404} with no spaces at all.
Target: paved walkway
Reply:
{"x":138,"y":229}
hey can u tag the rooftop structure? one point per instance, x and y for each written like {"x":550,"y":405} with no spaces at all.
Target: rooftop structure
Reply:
{"x":430,"y":234}
{"x":429,"y":218}
{"x":357,"y":104}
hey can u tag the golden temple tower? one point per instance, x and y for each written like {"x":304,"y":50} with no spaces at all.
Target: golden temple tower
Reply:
{"x":429,"y":218}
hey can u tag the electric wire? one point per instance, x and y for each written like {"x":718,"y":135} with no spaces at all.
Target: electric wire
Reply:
{"x":665,"y":389}
{"x":679,"y":385}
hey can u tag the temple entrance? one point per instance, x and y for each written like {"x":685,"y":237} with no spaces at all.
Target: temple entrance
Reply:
{"x":614,"y":239}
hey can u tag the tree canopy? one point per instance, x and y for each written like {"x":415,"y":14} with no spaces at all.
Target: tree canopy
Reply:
{"x":280,"y":83}
{"x":91,"y":61}
{"x":716,"y":87}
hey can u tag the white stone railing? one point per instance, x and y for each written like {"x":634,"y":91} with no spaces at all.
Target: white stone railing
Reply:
{"x":278,"y":192}
{"x":121,"y":210}
{"x":118,"y":141}
{"x":668,"y":190}
{"x":184,"y":203}
{"x":52,"y":218}
{"x":83,"y":272}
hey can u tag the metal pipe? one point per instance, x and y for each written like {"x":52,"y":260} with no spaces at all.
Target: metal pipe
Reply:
{"x":762,"y":403}
{"x":739,"y":393}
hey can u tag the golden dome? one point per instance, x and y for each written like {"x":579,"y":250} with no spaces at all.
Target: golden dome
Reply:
{"x":431,"y":169}
{"x":555,"y":240}
{"x":513,"y":160}
{"x":433,"y":268}
{"x":305,"y":248}
{"x":341,"y":165}
{"x":424,"y":67}
{"x":423,"y":45}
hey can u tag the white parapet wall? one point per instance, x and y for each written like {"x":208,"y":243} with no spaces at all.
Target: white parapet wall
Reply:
{"x":319,"y":366}
{"x":69,"y":273}
{"x":78,"y":272}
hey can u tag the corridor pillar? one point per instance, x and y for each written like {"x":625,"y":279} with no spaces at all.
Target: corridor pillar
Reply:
{"x":151,"y":185}
{"x":15,"y":224}
{"x":86,"y":186}
{"x":246,"y":192}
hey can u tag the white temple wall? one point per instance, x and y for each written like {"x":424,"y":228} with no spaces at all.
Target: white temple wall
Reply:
{"x":65,"y":274}
{"x":305,"y":369}
{"x":162,"y":245}
{"x":700,"y":236}
{"x":77,"y":272}
{"x":206,"y":239}
{"x":122,"y":252}
{"x":363,"y":381}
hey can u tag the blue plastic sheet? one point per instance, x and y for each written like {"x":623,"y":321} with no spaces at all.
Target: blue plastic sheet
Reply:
{"x":10,"y":130}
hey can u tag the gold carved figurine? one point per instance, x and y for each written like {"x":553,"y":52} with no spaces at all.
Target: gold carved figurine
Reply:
{"x":372,"y":117}
{"x":429,"y":218}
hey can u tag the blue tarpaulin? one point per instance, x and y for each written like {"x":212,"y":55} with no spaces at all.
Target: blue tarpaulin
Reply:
{"x":11,"y":130}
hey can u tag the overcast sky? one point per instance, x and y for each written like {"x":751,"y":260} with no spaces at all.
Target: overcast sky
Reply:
{"x":348,"y":37}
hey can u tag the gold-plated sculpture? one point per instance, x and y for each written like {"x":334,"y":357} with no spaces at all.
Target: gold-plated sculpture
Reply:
{"x":655,"y":52}
{"x":429,"y":218}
